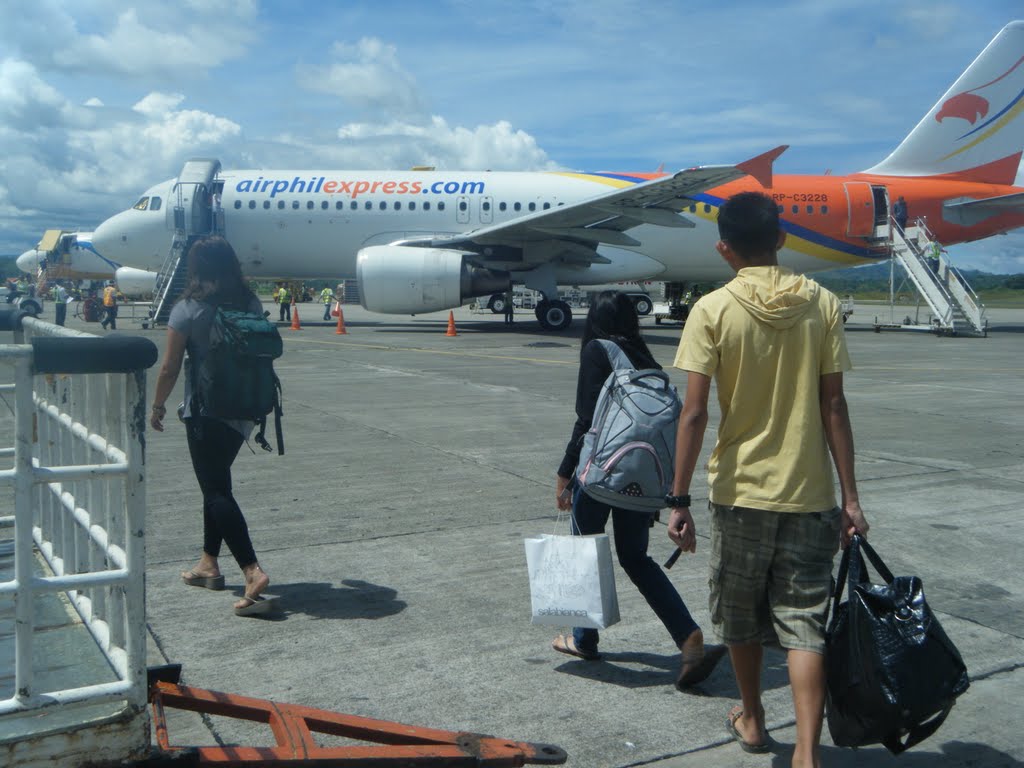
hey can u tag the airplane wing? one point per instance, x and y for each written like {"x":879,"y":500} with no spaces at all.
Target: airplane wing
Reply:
{"x":573,"y":232}
{"x":969,"y":212}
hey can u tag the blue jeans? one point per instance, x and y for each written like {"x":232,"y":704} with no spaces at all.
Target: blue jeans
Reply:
{"x":632,"y":533}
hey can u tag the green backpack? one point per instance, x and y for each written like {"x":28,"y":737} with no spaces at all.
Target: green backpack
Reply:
{"x":236,"y":380}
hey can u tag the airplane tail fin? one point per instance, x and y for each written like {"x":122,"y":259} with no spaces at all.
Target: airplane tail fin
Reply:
{"x":976,"y":130}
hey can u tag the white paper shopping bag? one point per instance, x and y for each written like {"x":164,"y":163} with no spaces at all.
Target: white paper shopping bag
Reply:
{"x":572,"y":581}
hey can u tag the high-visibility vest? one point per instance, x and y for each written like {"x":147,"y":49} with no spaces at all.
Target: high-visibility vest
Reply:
{"x":326,"y":295}
{"x":109,"y":299}
{"x":282,"y":297}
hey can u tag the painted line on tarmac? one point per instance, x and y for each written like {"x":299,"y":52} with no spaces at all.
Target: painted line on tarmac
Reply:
{"x":392,"y":348}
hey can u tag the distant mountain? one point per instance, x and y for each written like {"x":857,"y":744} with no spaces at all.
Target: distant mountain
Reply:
{"x":875,"y":277}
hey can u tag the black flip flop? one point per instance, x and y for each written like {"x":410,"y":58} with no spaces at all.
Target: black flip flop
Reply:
{"x":746,"y":746}
{"x":702,"y":669}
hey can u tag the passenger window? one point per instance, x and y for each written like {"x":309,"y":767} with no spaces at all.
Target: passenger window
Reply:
{"x":280,"y":205}
{"x":412,"y":206}
{"x":824,"y":210}
{"x":810,"y":209}
{"x":426,"y":206}
{"x":238,"y":204}
{"x":486,"y":206}
{"x":796,"y":209}
{"x":324,"y":205}
{"x":383,"y":205}
{"x":782,"y":209}
{"x":462,"y":205}
{"x":440,"y":206}
{"x":502,"y":206}
{"x":295,"y":205}
{"x":517,"y":207}
{"x":309,"y":205}
{"x":398,"y":206}
{"x":338,"y":205}
{"x":353,"y":205}
{"x":266,"y":205}
{"x":546,"y":206}
{"x":252,"y":205}
{"x":532,"y":206}
{"x":369,"y":205}
{"x":693,"y":208}
{"x":142,"y":205}
{"x":154,"y":204}
{"x":707,"y":208}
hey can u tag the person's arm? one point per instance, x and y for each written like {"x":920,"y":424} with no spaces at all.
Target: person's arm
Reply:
{"x":835,"y":417}
{"x":173,"y":357}
{"x":689,"y":439}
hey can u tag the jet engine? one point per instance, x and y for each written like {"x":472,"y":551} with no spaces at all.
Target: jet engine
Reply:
{"x":135,"y":283}
{"x":402,"y":279}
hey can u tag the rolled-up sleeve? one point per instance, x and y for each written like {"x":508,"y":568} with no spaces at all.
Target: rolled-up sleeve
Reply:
{"x":698,"y":350}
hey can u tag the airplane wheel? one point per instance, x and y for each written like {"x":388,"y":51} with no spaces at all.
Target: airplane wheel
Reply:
{"x":643,"y":306}
{"x":556,"y":316}
{"x":539,"y":309}
{"x":497,"y":305}
{"x":32,"y":307}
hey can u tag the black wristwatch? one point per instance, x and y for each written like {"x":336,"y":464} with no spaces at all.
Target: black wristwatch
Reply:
{"x":676,"y":502}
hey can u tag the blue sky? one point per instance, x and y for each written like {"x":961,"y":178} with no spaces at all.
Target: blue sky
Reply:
{"x":100,"y":99}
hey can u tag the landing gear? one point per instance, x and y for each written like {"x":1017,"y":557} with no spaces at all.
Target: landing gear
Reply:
{"x":554,"y":315}
{"x":643,"y":305}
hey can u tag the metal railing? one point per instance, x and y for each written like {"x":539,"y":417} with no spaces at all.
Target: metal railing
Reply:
{"x":79,"y":501}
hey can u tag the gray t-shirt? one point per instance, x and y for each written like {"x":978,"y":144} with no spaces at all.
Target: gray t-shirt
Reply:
{"x":193,"y":319}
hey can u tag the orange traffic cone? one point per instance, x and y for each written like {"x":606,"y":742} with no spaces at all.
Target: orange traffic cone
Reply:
{"x":341,"y":322}
{"x":451,"y":324}
{"x":296,"y":325}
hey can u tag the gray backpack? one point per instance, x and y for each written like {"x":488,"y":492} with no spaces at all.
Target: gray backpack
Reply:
{"x":628,"y":455}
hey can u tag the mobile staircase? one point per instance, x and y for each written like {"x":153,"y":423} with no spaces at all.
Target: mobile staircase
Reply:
{"x":956,"y":308}
{"x":195,"y":216}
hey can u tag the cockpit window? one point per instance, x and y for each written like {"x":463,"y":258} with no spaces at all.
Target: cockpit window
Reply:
{"x":142,"y":205}
{"x":154,"y":204}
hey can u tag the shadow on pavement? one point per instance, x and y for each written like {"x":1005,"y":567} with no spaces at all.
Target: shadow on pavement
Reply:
{"x":321,"y":600}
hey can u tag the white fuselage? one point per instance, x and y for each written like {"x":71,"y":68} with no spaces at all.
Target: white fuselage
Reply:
{"x":312,"y":224}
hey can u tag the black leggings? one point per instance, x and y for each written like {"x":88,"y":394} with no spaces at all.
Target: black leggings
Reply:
{"x":213,"y":446}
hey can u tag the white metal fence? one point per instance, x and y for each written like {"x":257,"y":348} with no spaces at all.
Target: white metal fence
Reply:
{"x":78,"y":480}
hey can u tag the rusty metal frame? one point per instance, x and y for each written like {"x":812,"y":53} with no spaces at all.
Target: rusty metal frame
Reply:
{"x":293,"y":726}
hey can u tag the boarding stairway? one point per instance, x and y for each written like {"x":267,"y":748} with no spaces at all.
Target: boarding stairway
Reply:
{"x":956,"y":308}
{"x":195,"y":216}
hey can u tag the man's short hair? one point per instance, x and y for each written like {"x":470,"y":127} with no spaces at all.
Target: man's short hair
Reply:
{"x":749,"y":223}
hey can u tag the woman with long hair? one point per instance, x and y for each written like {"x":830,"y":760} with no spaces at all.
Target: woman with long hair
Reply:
{"x":613,"y":317}
{"x":214,"y":279}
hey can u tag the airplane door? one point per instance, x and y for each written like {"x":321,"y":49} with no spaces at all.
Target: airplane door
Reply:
{"x":860,"y":217}
{"x":486,"y":209}
{"x":462,"y":209}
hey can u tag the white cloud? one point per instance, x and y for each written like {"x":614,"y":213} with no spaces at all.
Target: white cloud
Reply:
{"x":162,"y":40}
{"x":367,"y":76}
{"x":158,"y":104}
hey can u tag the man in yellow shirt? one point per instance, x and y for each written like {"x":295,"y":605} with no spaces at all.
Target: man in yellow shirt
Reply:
{"x":773,"y":342}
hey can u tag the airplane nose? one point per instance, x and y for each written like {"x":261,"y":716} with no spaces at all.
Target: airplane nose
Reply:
{"x":28,"y":262}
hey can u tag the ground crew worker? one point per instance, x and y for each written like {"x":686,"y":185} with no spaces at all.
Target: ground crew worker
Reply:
{"x":109,"y":307}
{"x":284,"y":300}
{"x":60,"y":303}
{"x":327,"y":296}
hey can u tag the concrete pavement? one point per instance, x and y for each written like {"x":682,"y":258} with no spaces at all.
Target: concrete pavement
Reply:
{"x":416,"y":464}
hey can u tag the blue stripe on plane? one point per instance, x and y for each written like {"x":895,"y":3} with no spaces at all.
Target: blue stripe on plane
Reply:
{"x":810,"y":235}
{"x":88,"y":246}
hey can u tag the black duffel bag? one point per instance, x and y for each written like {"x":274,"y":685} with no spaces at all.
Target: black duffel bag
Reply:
{"x":892,"y":673}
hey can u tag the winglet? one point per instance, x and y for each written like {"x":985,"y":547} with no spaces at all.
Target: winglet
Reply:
{"x":760,"y":167}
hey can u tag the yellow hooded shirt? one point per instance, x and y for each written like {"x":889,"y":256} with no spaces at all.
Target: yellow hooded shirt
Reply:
{"x":766,"y":338}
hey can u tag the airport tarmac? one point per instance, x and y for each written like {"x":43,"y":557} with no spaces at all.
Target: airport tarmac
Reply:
{"x":416,"y":464}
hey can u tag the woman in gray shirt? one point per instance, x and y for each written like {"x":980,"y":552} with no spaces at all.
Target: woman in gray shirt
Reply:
{"x":214,"y":279}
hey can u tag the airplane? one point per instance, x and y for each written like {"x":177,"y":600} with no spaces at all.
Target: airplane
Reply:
{"x":422,"y":241}
{"x":68,"y":255}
